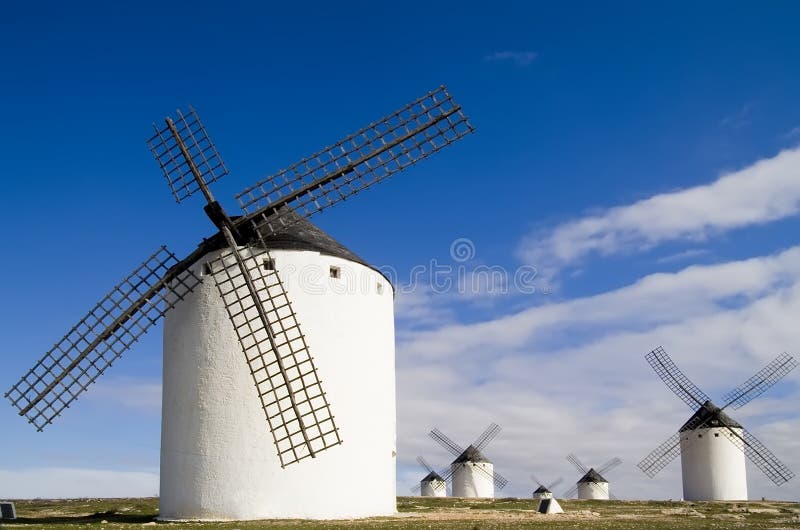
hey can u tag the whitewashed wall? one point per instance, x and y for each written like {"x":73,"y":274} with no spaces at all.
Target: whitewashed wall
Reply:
{"x":713,"y":466}
{"x":218,"y":459}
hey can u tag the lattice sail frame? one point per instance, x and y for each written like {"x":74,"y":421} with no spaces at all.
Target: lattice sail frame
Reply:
{"x":757,"y":452}
{"x":760,"y":381}
{"x":357,"y":162}
{"x":295,"y":405}
{"x":675,"y":380}
{"x":100,"y":338}
{"x":202,"y":152}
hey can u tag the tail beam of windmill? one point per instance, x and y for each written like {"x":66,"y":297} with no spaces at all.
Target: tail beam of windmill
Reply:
{"x":708,"y":413}
{"x":269,"y":331}
{"x":478,"y":445}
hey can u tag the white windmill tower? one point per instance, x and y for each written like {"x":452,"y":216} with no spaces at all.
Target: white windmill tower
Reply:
{"x":234,"y":351}
{"x":434,"y":484}
{"x":711,"y":444}
{"x":544,"y":493}
{"x":473,"y":475}
{"x":592,"y":484}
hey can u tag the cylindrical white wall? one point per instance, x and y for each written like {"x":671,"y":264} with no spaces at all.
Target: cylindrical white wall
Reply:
{"x":218,"y":458}
{"x":593,"y":490}
{"x":470,"y":481}
{"x":713,"y":466}
{"x":433,"y":488}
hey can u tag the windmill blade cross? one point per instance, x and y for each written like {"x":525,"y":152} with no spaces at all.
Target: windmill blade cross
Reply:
{"x":608,"y":466}
{"x":283,"y":370}
{"x":126,"y":313}
{"x":760,"y":382}
{"x":577,"y":463}
{"x":675,"y":379}
{"x":536,"y":480}
{"x":357,"y":162}
{"x":446,"y":442}
{"x":487,"y":436}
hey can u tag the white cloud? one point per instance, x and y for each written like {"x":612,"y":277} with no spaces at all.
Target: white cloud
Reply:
{"x":570,"y":376}
{"x":137,"y":394}
{"x":520,"y":58}
{"x":765,"y":191}
{"x":59,"y":483}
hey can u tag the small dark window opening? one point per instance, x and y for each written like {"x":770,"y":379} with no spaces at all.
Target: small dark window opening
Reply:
{"x":699,"y":435}
{"x":380,"y":288}
{"x":335,"y":272}
{"x":716,"y":435}
{"x":269,"y":264}
{"x":206,"y":268}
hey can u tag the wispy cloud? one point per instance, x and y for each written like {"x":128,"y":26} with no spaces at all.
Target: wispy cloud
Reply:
{"x":683,"y":256}
{"x":765,"y":191}
{"x":143,"y":395}
{"x":520,"y":58}
{"x":550,"y":373}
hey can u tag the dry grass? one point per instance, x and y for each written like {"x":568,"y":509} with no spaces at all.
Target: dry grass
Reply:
{"x":427,"y":513}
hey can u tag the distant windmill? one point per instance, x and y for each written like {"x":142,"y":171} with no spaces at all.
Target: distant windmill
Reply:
{"x":473,"y":475}
{"x":244,"y":407}
{"x":547,"y":503}
{"x":434,"y":484}
{"x":537,"y":493}
{"x":592,"y":485}
{"x":711,"y":444}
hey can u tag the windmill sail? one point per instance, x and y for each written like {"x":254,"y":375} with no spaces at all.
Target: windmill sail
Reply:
{"x":283,"y":370}
{"x":357,"y":162}
{"x":760,"y":382}
{"x":675,"y":379}
{"x":183,"y":150}
{"x":123,"y":315}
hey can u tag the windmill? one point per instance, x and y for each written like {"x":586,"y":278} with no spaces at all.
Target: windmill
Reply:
{"x":473,"y":475}
{"x":434,"y":484}
{"x":592,"y":484}
{"x":234,"y":350}
{"x":544,"y":489}
{"x":711,"y":444}
{"x":547,"y":503}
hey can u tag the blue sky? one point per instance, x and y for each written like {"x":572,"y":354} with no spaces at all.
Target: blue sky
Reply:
{"x":605,"y":135}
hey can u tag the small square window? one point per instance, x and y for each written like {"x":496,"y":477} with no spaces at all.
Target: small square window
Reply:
{"x":380,"y":288}
{"x":268,"y":264}
{"x":699,"y":435}
{"x":716,"y":435}
{"x":206,"y":268}
{"x":335,"y":272}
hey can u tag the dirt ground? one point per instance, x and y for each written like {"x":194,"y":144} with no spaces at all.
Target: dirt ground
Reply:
{"x":427,"y":513}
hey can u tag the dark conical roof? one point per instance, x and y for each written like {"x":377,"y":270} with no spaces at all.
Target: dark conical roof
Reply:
{"x":433,"y":475}
{"x":592,"y":476}
{"x":299,"y":234}
{"x":707,"y":416}
{"x":470,"y":454}
{"x":542,"y":489}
